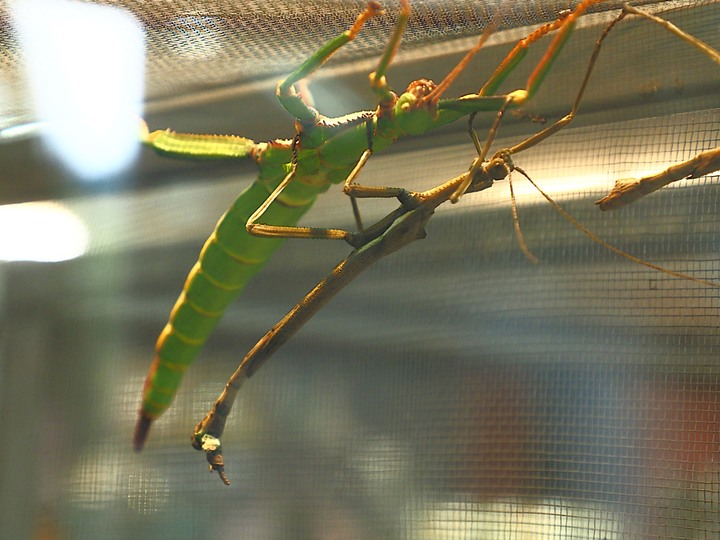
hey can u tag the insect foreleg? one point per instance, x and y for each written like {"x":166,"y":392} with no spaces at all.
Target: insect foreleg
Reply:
{"x":378,"y":82}
{"x":487,"y":99}
{"x":569,"y":117}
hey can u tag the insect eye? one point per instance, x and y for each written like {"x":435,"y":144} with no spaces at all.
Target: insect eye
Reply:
{"x":498,"y":169}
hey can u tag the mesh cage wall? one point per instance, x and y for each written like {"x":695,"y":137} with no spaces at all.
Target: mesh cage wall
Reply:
{"x":455,"y":390}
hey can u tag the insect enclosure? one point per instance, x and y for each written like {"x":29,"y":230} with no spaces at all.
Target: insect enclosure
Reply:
{"x":455,"y":390}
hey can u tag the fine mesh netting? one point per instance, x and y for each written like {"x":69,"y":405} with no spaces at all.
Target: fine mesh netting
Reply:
{"x":453,"y":391}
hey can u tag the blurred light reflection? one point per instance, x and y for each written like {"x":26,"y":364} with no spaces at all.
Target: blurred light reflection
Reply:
{"x":42,"y":232}
{"x":85,"y":69}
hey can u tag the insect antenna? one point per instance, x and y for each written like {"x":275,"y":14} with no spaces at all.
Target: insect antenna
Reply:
{"x":516,"y":224}
{"x":560,"y":210}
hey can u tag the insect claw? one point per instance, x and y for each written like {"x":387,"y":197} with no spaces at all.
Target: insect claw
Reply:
{"x":224,"y":478}
{"x":217,"y":464}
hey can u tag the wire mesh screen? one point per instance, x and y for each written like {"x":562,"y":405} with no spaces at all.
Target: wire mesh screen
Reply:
{"x":453,"y":391}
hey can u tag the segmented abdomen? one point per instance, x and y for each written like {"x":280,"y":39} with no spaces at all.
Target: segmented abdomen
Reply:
{"x":229,"y":259}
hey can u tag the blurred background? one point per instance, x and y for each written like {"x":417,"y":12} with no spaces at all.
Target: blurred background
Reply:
{"x":455,"y":390}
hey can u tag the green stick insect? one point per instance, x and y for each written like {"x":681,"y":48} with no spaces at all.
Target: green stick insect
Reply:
{"x":293,"y":172}
{"x":399,"y":228}
{"x":324,"y":152}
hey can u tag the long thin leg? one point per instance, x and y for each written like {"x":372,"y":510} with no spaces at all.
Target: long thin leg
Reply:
{"x":565,"y":120}
{"x":278,"y":231}
{"x":405,"y":227}
{"x":557,"y":126}
{"x":559,"y":209}
{"x":565,"y":24}
{"x":289,"y":99}
{"x":408,"y":199}
{"x":378,"y":81}
{"x":670,"y":27}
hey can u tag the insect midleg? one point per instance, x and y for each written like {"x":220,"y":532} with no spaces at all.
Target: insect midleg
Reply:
{"x":407,"y":198}
{"x":281,"y":231}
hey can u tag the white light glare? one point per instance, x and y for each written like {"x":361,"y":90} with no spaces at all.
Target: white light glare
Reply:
{"x":21,"y":131}
{"x":42,"y":231}
{"x":85,"y":68}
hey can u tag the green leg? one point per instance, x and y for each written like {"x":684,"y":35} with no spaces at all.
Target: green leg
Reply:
{"x":565,"y":23}
{"x":487,"y":99}
{"x":565,"y":120}
{"x":515,"y":56}
{"x":540,"y":72}
{"x":378,"y":82}
{"x":286,"y":94}
{"x":295,"y":105}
